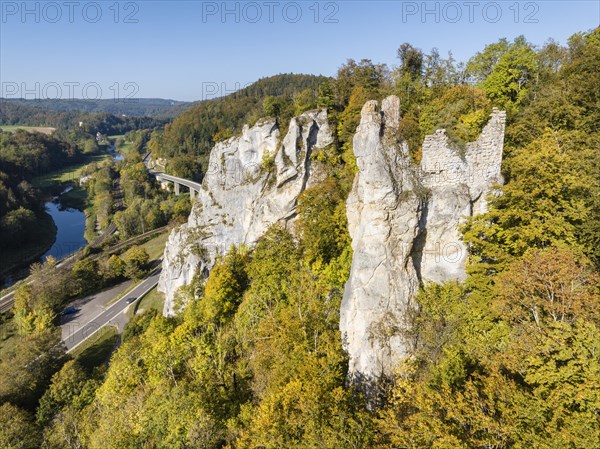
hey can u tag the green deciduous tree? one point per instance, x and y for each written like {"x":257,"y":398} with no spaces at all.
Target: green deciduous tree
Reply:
{"x":322,"y":222}
{"x":66,"y":385}
{"x":512,"y":76}
{"x":462,"y":110}
{"x":411,"y":61}
{"x":136,"y":262}
{"x":17,"y":430}
{"x":87,"y":276}
{"x":225,"y":287}
{"x":116,"y":266}
{"x":28,"y":366}
{"x":480,"y":66}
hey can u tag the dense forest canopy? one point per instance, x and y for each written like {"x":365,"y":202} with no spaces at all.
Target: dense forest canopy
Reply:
{"x":507,"y":359}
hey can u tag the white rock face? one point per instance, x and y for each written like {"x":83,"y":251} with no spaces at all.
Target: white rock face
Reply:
{"x":240,"y":198}
{"x":403,"y":220}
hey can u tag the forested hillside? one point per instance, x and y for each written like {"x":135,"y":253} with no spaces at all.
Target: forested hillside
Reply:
{"x":31,"y":114}
{"x":507,"y":359}
{"x":194,"y":132}
{"x":141,"y":107}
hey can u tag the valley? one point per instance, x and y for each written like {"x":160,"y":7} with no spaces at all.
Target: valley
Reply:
{"x":400,"y":252}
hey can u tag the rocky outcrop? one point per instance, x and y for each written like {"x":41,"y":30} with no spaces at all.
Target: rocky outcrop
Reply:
{"x":403,"y":220}
{"x":252,"y":182}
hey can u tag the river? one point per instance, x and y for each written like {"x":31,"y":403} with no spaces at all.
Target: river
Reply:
{"x":70,"y":228}
{"x":70,"y":223}
{"x":113,"y":152}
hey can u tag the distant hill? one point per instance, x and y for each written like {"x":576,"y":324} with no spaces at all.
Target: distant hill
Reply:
{"x":147,"y":107}
{"x":28,"y":114}
{"x":195,"y":125}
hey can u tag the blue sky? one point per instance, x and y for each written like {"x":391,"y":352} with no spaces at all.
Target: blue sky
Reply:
{"x":190,"y":50}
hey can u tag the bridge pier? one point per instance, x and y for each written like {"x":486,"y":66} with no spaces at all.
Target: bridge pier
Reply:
{"x":165,"y":180}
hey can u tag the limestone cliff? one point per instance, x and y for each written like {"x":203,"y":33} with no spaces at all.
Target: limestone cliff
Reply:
{"x":403,"y":220}
{"x":252,"y":182}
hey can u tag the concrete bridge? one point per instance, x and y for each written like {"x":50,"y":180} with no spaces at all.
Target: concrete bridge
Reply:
{"x":193,"y":187}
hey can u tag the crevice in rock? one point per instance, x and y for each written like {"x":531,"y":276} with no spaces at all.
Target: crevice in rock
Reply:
{"x":418,"y":246}
{"x":472,"y":203}
{"x":311,"y":140}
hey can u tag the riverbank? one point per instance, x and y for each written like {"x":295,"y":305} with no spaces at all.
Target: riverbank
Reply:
{"x":15,"y":262}
{"x":76,"y":198}
{"x":40,"y":243}
{"x":70,"y":173}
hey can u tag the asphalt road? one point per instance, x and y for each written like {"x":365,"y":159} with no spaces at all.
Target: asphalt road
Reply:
{"x":7,"y":301}
{"x":76,"y":334}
